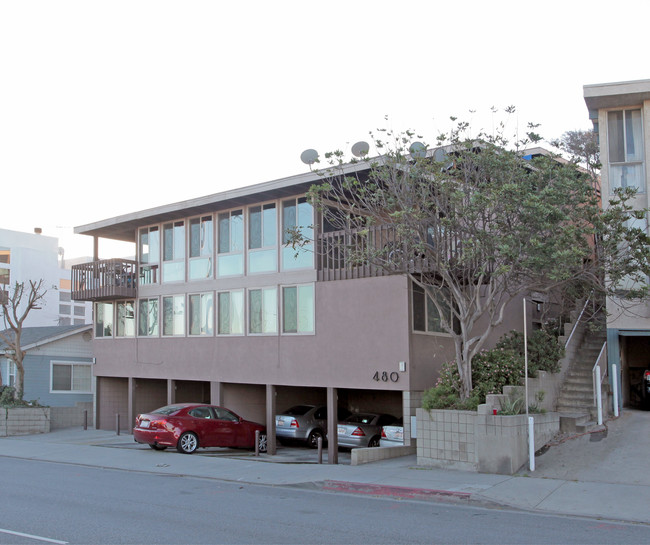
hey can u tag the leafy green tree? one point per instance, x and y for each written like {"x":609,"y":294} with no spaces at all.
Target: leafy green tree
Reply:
{"x":475,"y":226}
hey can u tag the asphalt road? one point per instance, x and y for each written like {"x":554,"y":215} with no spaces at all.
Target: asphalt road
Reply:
{"x":45,"y":502}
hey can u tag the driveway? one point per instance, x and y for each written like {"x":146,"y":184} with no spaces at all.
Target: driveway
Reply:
{"x":617,"y":455}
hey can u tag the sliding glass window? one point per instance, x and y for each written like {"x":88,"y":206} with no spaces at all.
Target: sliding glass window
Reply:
{"x":230,"y":261}
{"x":201,"y":314}
{"x":174,"y":251}
{"x":231,"y":312}
{"x":201,"y":247}
{"x":262,"y":238}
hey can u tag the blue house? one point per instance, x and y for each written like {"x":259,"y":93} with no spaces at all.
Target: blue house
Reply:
{"x":58,"y":365}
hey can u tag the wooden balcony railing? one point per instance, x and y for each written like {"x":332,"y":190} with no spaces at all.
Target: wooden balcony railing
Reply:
{"x":104,"y":280}
{"x":340,"y":254}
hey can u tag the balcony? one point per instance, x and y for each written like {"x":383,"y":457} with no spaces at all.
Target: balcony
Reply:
{"x":339,"y":254}
{"x":104,"y":280}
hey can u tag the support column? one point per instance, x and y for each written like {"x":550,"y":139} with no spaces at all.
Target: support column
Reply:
{"x":95,"y":248}
{"x":130,"y":417}
{"x":171,"y":391}
{"x":216,"y":393}
{"x":271,"y":445}
{"x":332,"y":426}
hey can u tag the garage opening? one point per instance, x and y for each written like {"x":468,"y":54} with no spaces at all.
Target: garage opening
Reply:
{"x":635,"y":360}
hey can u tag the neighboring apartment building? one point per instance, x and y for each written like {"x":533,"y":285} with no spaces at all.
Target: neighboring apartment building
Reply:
{"x":217,"y":308}
{"x":33,"y":256}
{"x":620,"y":113}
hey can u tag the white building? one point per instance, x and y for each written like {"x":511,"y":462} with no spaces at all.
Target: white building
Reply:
{"x":32,"y":256}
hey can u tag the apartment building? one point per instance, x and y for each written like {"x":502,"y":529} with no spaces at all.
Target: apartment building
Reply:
{"x":34,"y":256}
{"x":620,"y":113}
{"x":216,"y":307}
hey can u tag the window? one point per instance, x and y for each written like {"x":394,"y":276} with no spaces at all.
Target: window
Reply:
{"x":65,"y":296}
{"x":79,"y":310}
{"x":104,"y":320}
{"x":149,"y":251}
{"x":5,"y":276}
{"x":65,"y":309}
{"x":174,"y":252}
{"x":263,"y":310}
{"x":231,"y":243}
{"x":174,"y":315}
{"x":202,"y":314}
{"x":5,"y":255}
{"x":148,"y":317}
{"x":231,"y":312}
{"x":625,"y":145}
{"x":298,"y":309}
{"x":12,"y":374}
{"x":71,"y":378}
{"x":425,"y":315}
{"x":262,"y":238}
{"x":201,"y":247}
{"x":297,"y":215}
{"x":125,"y":319}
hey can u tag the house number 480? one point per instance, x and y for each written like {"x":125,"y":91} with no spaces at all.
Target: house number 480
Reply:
{"x":385,"y":376}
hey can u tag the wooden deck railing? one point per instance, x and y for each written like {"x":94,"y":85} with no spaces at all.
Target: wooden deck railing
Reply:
{"x":104,"y":280}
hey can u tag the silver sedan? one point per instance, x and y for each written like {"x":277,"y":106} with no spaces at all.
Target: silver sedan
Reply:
{"x":362,"y":429}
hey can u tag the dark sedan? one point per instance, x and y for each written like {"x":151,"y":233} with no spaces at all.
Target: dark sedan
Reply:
{"x":189,"y":426}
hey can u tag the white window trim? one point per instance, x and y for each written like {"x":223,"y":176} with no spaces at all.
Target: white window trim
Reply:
{"x":281,"y":316}
{"x":73,"y":392}
{"x":278,"y":324}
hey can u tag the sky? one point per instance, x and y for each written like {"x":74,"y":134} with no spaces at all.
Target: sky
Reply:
{"x":111,"y":107}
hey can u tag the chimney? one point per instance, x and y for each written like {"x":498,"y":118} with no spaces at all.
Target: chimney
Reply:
{"x":38,"y":230}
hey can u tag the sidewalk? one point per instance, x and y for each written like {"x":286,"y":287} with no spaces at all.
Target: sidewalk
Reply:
{"x":599,"y":475}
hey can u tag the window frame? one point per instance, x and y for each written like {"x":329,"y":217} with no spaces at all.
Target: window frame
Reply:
{"x":72,"y":364}
{"x":149,"y":270}
{"x":312,"y":319}
{"x":149,"y":300}
{"x":267,"y":246}
{"x":206,"y":238}
{"x":233,"y":236}
{"x":96,"y":320}
{"x":289,"y":254}
{"x":427,"y":302}
{"x":204,"y":312}
{"x":243,"y":321}
{"x":175,"y":264}
{"x":263,"y":319}
{"x":641,"y":188}
{"x":176,"y":300}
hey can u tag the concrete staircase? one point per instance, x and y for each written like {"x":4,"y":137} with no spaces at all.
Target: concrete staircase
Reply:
{"x":575,"y":402}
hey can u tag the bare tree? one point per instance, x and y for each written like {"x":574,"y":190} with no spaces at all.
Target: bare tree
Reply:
{"x":16,"y":306}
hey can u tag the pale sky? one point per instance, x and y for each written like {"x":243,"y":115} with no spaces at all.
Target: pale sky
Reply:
{"x":116,"y":106}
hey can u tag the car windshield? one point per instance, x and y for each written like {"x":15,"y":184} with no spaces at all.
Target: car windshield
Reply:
{"x":298,"y":410}
{"x":169,"y":409}
{"x":361,"y":418}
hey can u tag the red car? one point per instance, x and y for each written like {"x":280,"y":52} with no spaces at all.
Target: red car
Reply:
{"x":188,"y":426}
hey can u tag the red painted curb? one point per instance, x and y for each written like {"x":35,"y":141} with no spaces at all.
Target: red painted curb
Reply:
{"x":396,"y":491}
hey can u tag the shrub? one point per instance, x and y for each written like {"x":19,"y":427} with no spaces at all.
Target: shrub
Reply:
{"x":491,"y":371}
{"x":544,"y":350}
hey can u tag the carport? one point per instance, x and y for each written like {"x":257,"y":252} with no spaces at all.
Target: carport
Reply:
{"x":629,"y":350}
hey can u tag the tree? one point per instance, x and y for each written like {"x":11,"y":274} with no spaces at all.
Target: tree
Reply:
{"x":474,"y":226}
{"x":16,"y":306}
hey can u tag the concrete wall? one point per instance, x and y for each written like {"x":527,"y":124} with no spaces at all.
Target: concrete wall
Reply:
{"x":479,"y":442}
{"x":24,"y":421}
{"x":67,"y":417}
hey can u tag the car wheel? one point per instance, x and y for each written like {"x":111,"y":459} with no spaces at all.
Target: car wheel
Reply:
{"x":374,"y":442}
{"x":262,"y":443}
{"x":187,"y":443}
{"x":157,"y":447}
{"x":312,"y":439}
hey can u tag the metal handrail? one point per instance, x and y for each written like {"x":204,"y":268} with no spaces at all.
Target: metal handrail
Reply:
{"x":575,"y":326}
{"x":593,"y":370}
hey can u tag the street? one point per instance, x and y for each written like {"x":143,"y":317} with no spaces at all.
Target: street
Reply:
{"x":66,"y":503}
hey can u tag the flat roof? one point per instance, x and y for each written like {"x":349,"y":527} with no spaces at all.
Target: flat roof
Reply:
{"x":616,"y":94}
{"x":125,"y":227}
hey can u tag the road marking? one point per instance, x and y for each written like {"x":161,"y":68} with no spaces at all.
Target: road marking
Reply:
{"x":39,"y":538}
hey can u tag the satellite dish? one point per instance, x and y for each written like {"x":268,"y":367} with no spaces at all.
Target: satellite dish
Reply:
{"x":440,"y":155}
{"x":309,"y":156}
{"x":360,"y":149}
{"x":418,"y":150}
